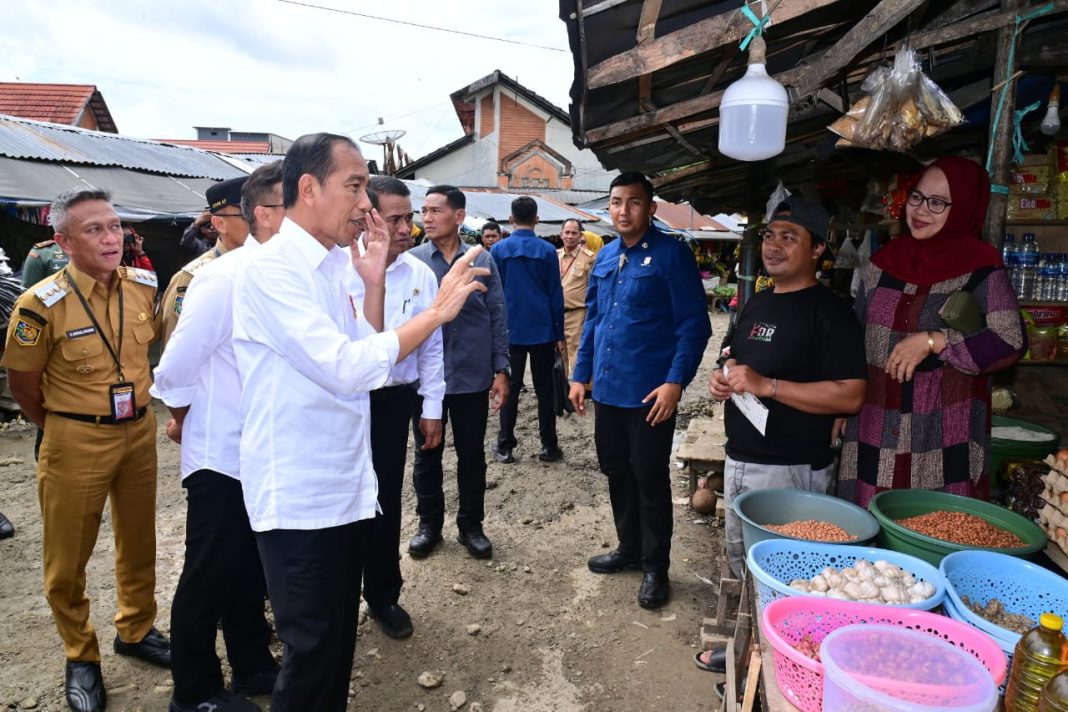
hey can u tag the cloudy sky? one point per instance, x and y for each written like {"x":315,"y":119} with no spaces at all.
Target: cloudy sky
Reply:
{"x":165,"y":66}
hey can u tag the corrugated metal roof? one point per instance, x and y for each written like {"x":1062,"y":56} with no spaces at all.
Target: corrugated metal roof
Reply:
{"x":38,"y":140}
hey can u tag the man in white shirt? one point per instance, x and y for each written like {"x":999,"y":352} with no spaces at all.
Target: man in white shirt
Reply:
{"x":222,"y":579}
{"x":410,"y":288}
{"x":307,"y":366}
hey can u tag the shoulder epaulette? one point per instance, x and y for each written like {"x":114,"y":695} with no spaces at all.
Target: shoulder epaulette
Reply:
{"x":588,"y":252}
{"x":192,"y":267}
{"x":50,"y":292}
{"x":46,"y":243}
{"x":141,"y":276}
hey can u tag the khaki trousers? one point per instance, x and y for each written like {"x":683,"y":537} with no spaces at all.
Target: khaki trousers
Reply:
{"x":573,"y":321}
{"x":81,"y":466}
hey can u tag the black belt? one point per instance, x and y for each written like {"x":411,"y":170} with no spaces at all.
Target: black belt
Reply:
{"x":388,"y":392}
{"x":570,"y":309}
{"x":102,"y":419}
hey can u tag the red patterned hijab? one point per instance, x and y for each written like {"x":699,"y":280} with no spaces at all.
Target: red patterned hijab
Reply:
{"x":958,"y":247}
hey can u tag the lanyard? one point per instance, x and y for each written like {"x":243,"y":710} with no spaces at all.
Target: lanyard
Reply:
{"x":89,"y":312}
{"x":570,"y":264}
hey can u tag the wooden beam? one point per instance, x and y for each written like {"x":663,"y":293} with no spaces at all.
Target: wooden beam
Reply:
{"x":976,"y":25}
{"x":647,"y":21}
{"x":876,"y":23}
{"x":958,"y":11}
{"x":690,"y":41}
{"x":1001,"y":135}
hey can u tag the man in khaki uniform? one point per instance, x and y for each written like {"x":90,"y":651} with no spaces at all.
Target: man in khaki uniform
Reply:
{"x":224,"y":203}
{"x":77,"y":360}
{"x":576,"y":260}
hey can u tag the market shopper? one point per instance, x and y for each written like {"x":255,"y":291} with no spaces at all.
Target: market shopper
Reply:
{"x":222,"y":579}
{"x":491,"y":234}
{"x":229,"y":223}
{"x":529,"y":272}
{"x":417,"y":381}
{"x":77,"y":363}
{"x":646,"y":330}
{"x":476,"y":378}
{"x":799,"y":349}
{"x":307,"y":364}
{"x":925,"y":423}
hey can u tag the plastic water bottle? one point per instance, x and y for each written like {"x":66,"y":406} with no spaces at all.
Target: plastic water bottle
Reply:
{"x":1028,"y":257}
{"x":1046,"y":281}
{"x":1062,"y":283}
{"x":1009,"y":257}
{"x":1055,"y":694}
{"x":1041,"y":653}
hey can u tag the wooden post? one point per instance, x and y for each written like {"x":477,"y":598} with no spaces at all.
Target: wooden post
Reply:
{"x":1001,"y":135}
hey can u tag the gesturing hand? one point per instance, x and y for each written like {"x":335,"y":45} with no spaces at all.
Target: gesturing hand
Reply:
{"x":371,"y":265}
{"x":458,"y":284}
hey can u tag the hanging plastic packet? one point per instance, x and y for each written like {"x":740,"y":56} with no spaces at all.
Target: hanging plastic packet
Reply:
{"x":902,"y":107}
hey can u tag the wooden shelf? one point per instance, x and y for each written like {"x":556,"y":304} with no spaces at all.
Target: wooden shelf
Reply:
{"x":1039,"y":303}
{"x":1058,"y":362}
{"x":1036,"y":223}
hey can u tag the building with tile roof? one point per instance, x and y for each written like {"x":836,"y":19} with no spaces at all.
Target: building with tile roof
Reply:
{"x":80,"y":105}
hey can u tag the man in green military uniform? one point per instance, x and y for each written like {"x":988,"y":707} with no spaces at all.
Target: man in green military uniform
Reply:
{"x":45,"y":259}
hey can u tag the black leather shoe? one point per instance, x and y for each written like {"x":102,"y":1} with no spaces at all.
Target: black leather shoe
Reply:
{"x":550,"y":454}
{"x":154,"y":649}
{"x":225,"y":701}
{"x":85,"y":687}
{"x":503,"y":455}
{"x":424,"y":541}
{"x":476,"y":543}
{"x":654,"y":591}
{"x":394,"y":620}
{"x":612,"y":563}
{"x":260,"y":683}
{"x":6,"y":527}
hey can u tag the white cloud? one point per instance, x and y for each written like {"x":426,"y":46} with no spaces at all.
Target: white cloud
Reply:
{"x":264,"y":65}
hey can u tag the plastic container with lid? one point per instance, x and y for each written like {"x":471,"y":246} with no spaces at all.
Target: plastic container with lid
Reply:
{"x":893,"y":669}
{"x":1041,"y":653}
{"x":1055,"y":694}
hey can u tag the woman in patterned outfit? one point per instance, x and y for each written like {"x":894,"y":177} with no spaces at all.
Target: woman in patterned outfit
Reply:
{"x":925,"y":423}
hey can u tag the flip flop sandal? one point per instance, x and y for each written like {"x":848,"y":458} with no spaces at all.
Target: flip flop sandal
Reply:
{"x":701,"y":664}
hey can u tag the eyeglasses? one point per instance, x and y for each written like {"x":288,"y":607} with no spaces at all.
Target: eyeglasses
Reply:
{"x":276,"y":205}
{"x":936,"y":205}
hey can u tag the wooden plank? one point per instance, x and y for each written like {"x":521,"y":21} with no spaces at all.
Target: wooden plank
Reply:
{"x":1001,"y":135}
{"x":703,"y":36}
{"x":751,"y":681}
{"x":974,"y":26}
{"x":958,"y":11}
{"x":647,"y":21}
{"x":876,"y":23}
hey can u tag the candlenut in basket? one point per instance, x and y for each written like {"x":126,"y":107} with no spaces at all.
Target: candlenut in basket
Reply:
{"x":881,"y":582}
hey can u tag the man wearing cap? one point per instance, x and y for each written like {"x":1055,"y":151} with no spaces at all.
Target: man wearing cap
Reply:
{"x":222,"y":579}
{"x":77,"y":363}
{"x":224,"y":203}
{"x":799,"y":350}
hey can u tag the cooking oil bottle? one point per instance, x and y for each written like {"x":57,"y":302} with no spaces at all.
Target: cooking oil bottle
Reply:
{"x":1055,"y":694}
{"x":1041,"y":653}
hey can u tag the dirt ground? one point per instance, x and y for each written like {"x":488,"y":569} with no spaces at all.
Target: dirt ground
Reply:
{"x":553,"y":637}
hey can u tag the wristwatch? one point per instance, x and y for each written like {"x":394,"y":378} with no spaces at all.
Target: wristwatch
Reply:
{"x":507,"y":370}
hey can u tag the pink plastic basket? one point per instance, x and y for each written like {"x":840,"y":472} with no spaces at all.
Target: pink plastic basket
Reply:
{"x":786,"y":621}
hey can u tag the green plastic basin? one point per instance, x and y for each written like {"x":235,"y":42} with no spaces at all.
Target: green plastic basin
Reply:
{"x":1002,"y":451}
{"x":757,"y":508}
{"x":891,"y":505}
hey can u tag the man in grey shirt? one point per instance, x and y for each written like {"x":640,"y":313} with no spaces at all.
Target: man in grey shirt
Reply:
{"x":476,"y":366}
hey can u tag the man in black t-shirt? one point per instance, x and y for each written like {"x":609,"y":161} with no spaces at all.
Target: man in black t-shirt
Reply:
{"x":799,"y":350}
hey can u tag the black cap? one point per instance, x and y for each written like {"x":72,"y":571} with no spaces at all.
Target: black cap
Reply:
{"x":225,"y":193}
{"x":809,"y":214}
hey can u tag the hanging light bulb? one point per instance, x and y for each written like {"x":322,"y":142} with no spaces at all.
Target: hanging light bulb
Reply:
{"x":1052,"y":123}
{"x":752,"y":112}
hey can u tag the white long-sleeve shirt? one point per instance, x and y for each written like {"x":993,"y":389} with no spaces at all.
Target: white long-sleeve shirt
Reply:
{"x":410,"y":288}
{"x":306,"y":370}
{"x":198,"y":368}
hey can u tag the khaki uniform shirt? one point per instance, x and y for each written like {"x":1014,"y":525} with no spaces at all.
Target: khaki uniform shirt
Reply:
{"x":575,"y":276}
{"x":51,"y":332}
{"x":171,"y":306}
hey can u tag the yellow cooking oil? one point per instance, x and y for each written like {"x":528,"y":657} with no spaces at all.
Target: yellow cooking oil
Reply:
{"x":1041,"y":653}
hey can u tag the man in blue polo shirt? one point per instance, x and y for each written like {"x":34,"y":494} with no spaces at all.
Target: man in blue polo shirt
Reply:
{"x":646,"y":330}
{"x":530,"y":274}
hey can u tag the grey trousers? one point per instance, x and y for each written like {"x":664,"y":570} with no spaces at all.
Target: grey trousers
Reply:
{"x":741,"y":477}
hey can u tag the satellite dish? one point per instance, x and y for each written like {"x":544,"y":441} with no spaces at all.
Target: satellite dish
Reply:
{"x":387,"y":140}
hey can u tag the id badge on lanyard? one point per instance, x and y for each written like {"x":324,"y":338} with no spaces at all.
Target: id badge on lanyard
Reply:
{"x":121,"y":393}
{"x":123,"y":405}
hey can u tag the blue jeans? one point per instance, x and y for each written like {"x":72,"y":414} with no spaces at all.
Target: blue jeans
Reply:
{"x":741,"y":477}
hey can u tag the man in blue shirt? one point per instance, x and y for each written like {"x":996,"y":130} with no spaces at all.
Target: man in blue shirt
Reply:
{"x":530,"y":274}
{"x":476,"y":365}
{"x":646,"y":330}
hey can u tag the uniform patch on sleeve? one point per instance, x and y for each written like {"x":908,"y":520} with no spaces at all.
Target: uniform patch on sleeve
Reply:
{"x":178,"y":303}
{"x":26,"y":333}
{"x":30,"y":314}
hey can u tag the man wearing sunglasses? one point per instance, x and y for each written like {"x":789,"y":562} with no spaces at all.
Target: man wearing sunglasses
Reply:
{"x":224,"y":204}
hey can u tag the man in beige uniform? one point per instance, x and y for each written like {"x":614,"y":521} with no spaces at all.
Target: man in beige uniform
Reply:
{"x":224,"y":203}
{"x":77,"y":360}
{"x":575,"y":264}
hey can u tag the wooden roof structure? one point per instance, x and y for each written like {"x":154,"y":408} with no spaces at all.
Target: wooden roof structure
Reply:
{"x":649,"y":75}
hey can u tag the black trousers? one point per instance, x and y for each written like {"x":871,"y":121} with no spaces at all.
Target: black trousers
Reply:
{"x":391,"y":408}
{"x":313,"y":577}
{"x":635,"y":457}
{"x":221,"y":580}
{"x":541,"y":372}
{"x":468,"y":414}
